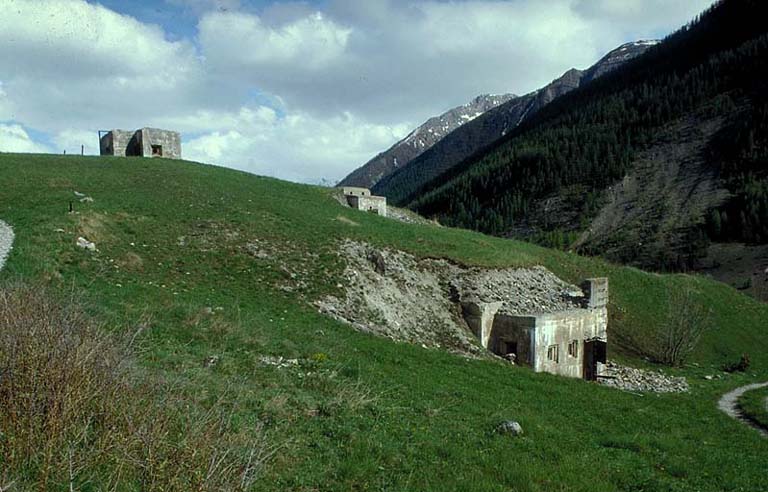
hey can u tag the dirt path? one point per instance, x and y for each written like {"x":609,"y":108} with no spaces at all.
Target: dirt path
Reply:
{"x":729,"y":404}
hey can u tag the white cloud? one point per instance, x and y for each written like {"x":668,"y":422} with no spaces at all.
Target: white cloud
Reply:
{"x":344,"y":80}
{"x":307,"y":44}
{"x":649,"y":15}
{"x":297,"y":147}
{"x":14,"y":138}
{"x":391,"y":63}
{"x":65,"y":62}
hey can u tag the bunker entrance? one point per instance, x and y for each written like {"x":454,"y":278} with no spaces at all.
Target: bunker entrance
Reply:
{"x":133,"y":149}
{"x":510,"y":348}
{"x":157,"y":150}
{"x":594,"y":351}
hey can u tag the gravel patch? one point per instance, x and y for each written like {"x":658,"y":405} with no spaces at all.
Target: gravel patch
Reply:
{"x":6,"y":242}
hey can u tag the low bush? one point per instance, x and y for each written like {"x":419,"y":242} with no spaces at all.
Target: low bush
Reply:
{"x":739,"y":366}
{"x":672,"y":340}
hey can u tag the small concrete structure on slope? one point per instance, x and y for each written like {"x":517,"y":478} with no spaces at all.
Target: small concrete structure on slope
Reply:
{"x":146,"y":142}
{"x":361,"y":199}
{"x":568,"y":343}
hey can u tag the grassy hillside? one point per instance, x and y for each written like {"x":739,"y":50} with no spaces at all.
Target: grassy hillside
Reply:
{"x":221,"y":266}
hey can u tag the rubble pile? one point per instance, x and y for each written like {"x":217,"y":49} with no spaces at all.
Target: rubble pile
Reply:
{"x":631,"y":379}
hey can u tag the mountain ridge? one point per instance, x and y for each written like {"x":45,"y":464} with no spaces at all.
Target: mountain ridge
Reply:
{"x":656,"y":166}
{"x":483,"y":131}
{"x":421,"y":139}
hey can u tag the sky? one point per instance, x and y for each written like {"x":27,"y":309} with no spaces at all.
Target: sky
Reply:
{"x":300,"y":90}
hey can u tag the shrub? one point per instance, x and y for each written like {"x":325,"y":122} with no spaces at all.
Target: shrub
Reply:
{"x":739,"y":366}
{"x":676,"y":336}
{"x":74,"y":411}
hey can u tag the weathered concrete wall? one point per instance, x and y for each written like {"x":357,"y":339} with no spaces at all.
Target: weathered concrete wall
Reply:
{"x":551,"y":342}
{"x":479,"y":318}
{"x":514,"y":330}
{"x":355,"y":191}
{"x":140,"y":143}
{"x":377,"y":204}
{"x":160,"y":143}
{"x":115,"y":142}
{"x":595,"y":292}
{"x":361,"y":199}
{"x":561,"y":329}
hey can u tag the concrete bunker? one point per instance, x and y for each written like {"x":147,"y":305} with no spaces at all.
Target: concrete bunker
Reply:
{"x":568,"y":343}
{"x":145,"y":142}
{"x":526,"y":314}
{"x":362,"y":199}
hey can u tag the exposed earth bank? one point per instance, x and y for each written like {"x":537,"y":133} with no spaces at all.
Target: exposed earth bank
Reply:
{"x":396,"y":295}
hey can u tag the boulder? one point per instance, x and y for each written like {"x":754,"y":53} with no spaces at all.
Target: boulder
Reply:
{"x":378,"y":261}
{"x":86,"y":244}
{"x":509,"y":427}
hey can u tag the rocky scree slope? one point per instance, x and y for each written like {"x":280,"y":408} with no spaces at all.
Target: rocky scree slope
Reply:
{"x":394,"y":294}
{"x":487,"y":128}
{"x":421,"y":139}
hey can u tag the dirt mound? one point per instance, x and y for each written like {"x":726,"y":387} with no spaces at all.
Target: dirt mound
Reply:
{"x":394,"y":294}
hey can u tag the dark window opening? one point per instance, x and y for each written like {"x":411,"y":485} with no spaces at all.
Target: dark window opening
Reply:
{"x":553,"y":353}
{"x":573,"y":348}
{"x":157,"y":150}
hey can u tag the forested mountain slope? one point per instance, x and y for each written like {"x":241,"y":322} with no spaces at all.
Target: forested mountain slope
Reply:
{"x":483,"y":131}
{"x":648,"y":165}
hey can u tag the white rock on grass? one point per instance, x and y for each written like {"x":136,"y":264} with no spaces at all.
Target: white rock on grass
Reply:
{"x":6,"y":242}
{"x":509,"y":427}
{"x":86,"y":244}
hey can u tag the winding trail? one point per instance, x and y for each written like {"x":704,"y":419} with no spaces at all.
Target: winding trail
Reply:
{"x":729,"y":404}
{"x":6,"y":242}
